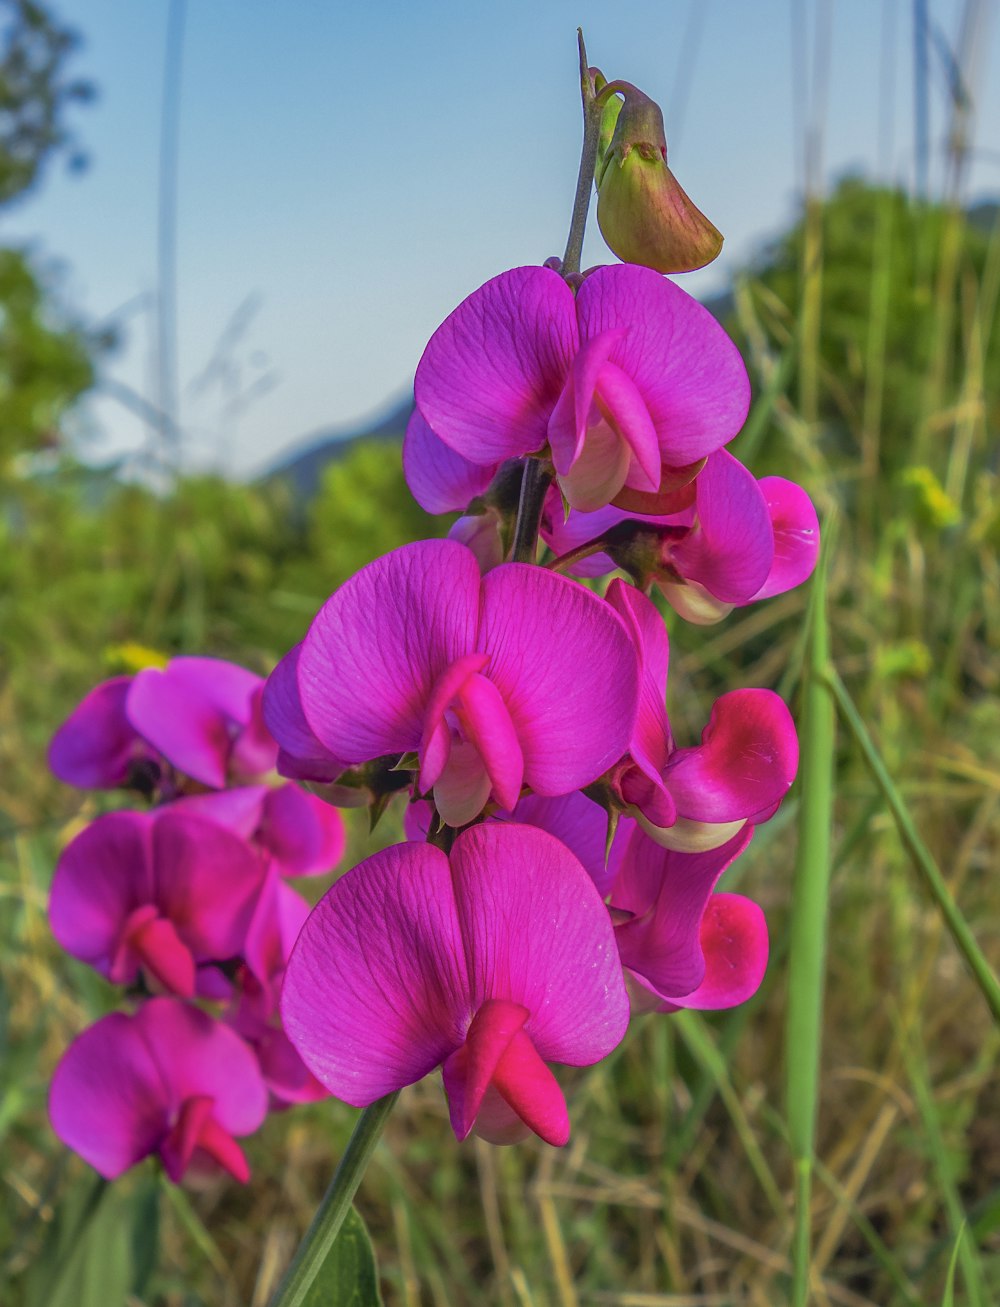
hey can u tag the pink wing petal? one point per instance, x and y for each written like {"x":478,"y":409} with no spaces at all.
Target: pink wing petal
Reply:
{"x":371,"y":658}
{"x":734,"y":941}
{"x":536,"y":933}
{"x":255,"y":750}
{"x":108,"y":1101}
{"x":301,"y":756}
{"x":582,"y":826}
{"x":97,"y":744}
{"x":651,"y":742}
{"x":567,"y":428}
{"x":796,"y":536}
{"x":175,"y":714}
{"x":303,"y":834}
{"x":567,"y":670}
{"x":376,"y":993}
{"x":746,"y":761}
{"x":687,"y":370}
{"x":492,"y":372}
{"x":101,"y":877}
{"x":440,"y":480}
{"x":731,"y":549}
{"x":666,"y":893}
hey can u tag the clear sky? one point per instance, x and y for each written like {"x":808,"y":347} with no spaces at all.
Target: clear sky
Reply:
{"x":349,"y":171}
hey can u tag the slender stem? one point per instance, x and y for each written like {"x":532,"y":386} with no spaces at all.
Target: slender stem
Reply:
{"x":918,"y":850}
{"x":319,"y":1238}
{"x":534,"y":484}
{"x":576,"y":555}
{"x":588,"y":162}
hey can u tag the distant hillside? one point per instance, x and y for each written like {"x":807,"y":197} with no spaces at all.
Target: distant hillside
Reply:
{"x":303,"y":466}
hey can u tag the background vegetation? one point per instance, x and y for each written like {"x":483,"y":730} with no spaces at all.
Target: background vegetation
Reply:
{"x":871,"y":334}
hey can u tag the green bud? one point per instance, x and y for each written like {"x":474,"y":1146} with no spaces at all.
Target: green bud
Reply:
{"x":643,"y":212}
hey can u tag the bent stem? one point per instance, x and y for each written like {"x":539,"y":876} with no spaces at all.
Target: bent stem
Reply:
{"x":588,"y":162}
{"x":320,"y":1237}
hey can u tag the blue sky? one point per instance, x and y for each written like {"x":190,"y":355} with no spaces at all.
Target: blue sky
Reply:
{"x":351,"y":172}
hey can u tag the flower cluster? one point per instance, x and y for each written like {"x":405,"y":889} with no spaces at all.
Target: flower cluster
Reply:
{"x":564,"y":852}
{"x":186,"y":905}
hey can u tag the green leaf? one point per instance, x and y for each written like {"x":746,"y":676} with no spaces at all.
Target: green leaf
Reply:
{"x":949,"y":1289}
{"x":348,"y":1277}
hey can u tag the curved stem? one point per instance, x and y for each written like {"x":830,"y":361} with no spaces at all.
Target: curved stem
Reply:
{"x":588,"y":161}
{"x":534,"y":483}
{"x":576,"y":555}
{"x":320,"y":1236}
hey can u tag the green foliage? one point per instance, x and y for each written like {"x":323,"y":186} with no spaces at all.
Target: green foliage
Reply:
{"x":347,"y":1277}
{"x":35,"y":93}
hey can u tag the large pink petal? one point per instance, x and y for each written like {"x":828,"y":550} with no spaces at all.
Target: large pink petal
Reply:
{"x":440,"y":480}
{"x":667,"y":892}
{"x":583,"y":827}
{"x":175,"y":714}
{"x":492,"y":372}
{"x":97,"y":744}
{"x":239,"y":809}
{"x":537,"y":933}
{"x":102,"y":876}
{"x":228,"y":686}
{"x":208,"y":881}
{"x":304,"y":835}
{"x":746,"y":761}
{"x":301,"y":755}
{"x":731,"y":549}
{"x":108,"y":1101}
{"x":376,"y":648}
{"x":796,"y":536}
{"x":255,"y":750}
{"x":567,"y":670}
{"x":687,"y":370}
{"x":376,"y":993}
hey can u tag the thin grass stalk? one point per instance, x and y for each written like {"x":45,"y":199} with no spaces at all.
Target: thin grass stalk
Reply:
{"x":918,"y":851}
{"x":807,"y":935}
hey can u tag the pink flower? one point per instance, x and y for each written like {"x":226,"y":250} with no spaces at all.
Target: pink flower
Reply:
{"x":681,"y":944}
{"x":489,"y":964}
{"x":202,"y":715}
{"x":516,"y":678}
{"x":696,"y":798}
{"x":159,"y":893}
{"x":302,"y":835}
{"x":168,"y":1080}
{"x":739,"y":540}
{"x":624,"y":379}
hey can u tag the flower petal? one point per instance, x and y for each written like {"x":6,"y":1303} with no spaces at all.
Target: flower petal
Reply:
{"x":651,"y":742}
{"x":96,"y":745}
{"x":492,"y":372}
{"x":440,"y":480}
{"x":734,"y":941}
{"x":567,"y":671}
{"x":376,"y":993}
{"x":687,"y":370}
{"x":376,"y":648}
{"x":301,"y":755}
{"x":188,"y":727}
{"x":796,"y":536}
{"x":731,"y":548}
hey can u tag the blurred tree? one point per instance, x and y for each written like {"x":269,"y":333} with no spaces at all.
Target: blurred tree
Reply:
{"x":34,"y":95}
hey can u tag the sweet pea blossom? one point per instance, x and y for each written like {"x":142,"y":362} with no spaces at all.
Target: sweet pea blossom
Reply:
{"x":739,"y":540}
{"x":624,"y":382}
{"x":158,"y":893}
{"x":693,"y":799}
{"x":200,"y":715}
{"x":169,"y":1081}
{"x":517,"y":678}
{"x":681,"y":944}
{"x":488,"y":963}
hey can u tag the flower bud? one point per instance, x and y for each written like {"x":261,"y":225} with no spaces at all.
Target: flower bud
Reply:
{"x":643,"y":212}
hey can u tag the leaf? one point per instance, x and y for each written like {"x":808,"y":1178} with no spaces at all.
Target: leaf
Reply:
{"x":949,"y":1289}
{"x":348,"y":1277}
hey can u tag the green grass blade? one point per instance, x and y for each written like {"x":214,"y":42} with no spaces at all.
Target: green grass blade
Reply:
{"x":949,"y":1288}
{"x":918,"y":850}
{"x":807,"y":935}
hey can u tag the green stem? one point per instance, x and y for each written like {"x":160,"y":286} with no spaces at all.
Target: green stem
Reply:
{"x":588,"y":162}
{"x":918,"y":850}
{"x":534,"y":485}
{"x":576,"y":555}
{"x":319,"y":1238}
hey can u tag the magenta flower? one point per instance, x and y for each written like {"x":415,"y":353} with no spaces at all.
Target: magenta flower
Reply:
{"x":489,"y":964}
{"x":738,"y":541}
{"x":516,"y":678}
{"x":300,"y":833}
{"x":158,"y":893}
{"x":200,"y":715}
{"x":624,"y":379}
{"x":696,"y":798}
{"x":168,"y":1080}
{"x":681,"y":944}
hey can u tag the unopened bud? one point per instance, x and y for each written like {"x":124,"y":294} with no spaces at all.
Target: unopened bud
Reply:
{"x":644,"y":213}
